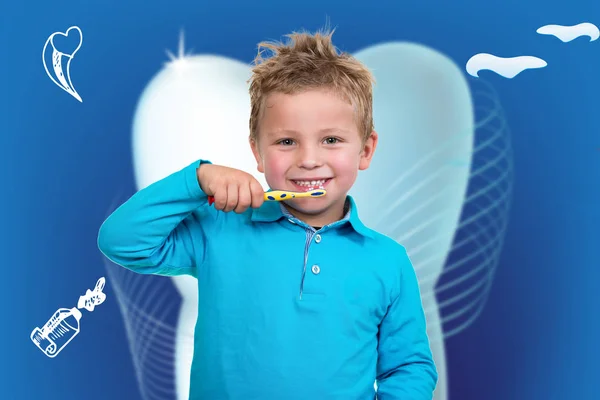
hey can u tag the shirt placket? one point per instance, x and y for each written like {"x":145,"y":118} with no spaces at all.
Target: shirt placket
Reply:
{"x":310,"y":232}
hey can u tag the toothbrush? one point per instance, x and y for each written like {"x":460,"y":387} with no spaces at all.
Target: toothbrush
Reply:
{"x":280,"y":195}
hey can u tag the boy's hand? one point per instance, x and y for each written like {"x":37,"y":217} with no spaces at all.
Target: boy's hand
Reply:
{"x":233,"y":189}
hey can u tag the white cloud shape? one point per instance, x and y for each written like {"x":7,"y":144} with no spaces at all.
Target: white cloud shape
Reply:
{"x":568,"y":33}
{"x":507,"y":67}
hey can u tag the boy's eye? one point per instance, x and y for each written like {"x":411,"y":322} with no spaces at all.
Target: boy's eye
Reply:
{"x":289,"y":142}
{"x":286,"y":142}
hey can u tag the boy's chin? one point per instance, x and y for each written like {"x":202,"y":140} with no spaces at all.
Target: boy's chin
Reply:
{"x":309,"y":206}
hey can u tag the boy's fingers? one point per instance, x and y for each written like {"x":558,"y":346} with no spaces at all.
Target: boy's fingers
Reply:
{"x":244,"y":198}
{"x":257,"y":193}
{"x":220,"y":199}
{"x":232,"y":196}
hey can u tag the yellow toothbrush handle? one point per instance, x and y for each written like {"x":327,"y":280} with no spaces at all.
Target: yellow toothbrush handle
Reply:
{"x":279,"y":195}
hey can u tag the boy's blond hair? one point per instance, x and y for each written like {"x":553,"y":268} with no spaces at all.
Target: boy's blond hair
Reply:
{"x":311,"y":62}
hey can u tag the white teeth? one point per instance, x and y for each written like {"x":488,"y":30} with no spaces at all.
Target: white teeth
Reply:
{"x":309,"y":183}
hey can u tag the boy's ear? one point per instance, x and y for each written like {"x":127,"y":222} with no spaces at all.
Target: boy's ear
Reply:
{"x":368,"y":150}
{"x":259,"y":162}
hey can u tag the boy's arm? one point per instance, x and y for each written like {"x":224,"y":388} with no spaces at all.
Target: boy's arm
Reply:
{"x":405,"y":367}
{"x":154,"y":231}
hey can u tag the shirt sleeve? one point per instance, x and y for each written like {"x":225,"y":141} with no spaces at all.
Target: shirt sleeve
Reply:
{"x":155,"y":231}
{"x":405,"y":366}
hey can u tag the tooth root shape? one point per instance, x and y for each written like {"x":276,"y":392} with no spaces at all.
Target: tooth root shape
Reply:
{"x":58,"y":71}
{"x":61,"y":63}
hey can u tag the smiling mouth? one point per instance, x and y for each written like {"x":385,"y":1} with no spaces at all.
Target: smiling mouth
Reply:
{"x":306,"y":185}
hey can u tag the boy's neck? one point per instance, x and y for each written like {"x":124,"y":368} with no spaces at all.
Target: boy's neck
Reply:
{"x":334,"y":213}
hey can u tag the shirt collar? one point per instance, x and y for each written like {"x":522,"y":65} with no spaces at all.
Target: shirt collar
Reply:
{"x":272,"y":211}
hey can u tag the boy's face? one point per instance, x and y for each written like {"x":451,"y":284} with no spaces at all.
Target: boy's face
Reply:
{"x":311,"y":139}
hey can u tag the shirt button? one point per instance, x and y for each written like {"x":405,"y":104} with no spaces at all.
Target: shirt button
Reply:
{"x":318,"y":238}
{"x":316,"y":269}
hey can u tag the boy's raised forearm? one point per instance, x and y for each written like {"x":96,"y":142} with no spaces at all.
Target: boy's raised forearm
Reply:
{"x":152,"y":232}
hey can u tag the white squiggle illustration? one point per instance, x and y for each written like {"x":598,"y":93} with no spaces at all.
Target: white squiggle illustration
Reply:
{"x":568,"y":33}
{"x":506,"y":67}
{"x":93,"y":298}
{"x":61,"y":63}
{"x":63,"y":326}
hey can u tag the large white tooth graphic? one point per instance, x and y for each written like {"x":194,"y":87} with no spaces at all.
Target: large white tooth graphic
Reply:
{"x":61,"y":62}
{"x":424,"y":117}
{"x":198,"y":107}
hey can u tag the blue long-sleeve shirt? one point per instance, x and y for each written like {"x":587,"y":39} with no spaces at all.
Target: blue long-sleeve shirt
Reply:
{"x":284,"y":311}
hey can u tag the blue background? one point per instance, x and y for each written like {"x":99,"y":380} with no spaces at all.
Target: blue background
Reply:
{"x":63,"y":164}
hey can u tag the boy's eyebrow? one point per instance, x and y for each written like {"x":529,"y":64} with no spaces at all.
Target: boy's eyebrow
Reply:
{"x":293,"y":132}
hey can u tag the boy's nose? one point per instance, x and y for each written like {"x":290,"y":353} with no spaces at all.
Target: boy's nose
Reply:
{"x":309,"y":158}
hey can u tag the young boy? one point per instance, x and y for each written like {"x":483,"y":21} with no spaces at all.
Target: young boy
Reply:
{"x":298,"y":300}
